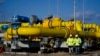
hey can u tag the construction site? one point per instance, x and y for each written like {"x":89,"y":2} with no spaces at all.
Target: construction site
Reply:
{"x":24,"y":36}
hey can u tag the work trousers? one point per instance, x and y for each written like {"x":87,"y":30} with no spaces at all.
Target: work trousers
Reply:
{"x":70,"y":49}
{"x":77,"y":49}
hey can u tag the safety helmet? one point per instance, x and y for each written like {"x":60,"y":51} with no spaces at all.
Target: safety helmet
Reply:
{"x":76,"y":35}
{"x":70,"y":35}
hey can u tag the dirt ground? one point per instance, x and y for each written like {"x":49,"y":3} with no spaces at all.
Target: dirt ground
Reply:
{"x":92,"y":53}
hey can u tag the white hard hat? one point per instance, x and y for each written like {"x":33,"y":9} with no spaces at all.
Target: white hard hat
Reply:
{"x":70,"y":35}
{"x":76,"y":35}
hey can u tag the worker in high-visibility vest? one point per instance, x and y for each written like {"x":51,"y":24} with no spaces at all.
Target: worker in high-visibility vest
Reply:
{"x":77,"y":43}
{"x":70,"y":43}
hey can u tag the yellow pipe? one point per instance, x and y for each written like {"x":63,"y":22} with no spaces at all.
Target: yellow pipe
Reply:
{"x":97,"y":34}
{"x":38,"y":31}
{"x":25,"y":24}
{"x":46,"y":23}
{"x":57,"y":22}
{"x":97,"y":28}
{"x":44,"y":29}
{"x":47,"y":32}
{"x":7,"y":37}
{"x":92,"y":26}
{"x":37,"y":25}
{"x":84,"y":34}
{"x":89,"y":34}
{"x":63,"y":23}
{"x":78,"y":26}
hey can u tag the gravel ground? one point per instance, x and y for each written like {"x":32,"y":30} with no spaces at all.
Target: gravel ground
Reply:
{"x":92,"y":53}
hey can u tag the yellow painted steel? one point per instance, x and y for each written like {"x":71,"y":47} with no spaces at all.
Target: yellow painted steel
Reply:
{"x":34,"y":25}
{"x":56,"y":22}
{"x":89,"y":34}
{"x":39,"y":25}
{"x":56,"y":19}
{"x":78,"y":25}
{"x":69,"y":23}
{"x":10,"y":31}
{"x":90,"y":25}
{"x":38,"y":31}
{"x":95,"y":26}
{"x":97,"y":34}
{"x":54,"y":27}
{"x":7,"y":37}
{"x":63,"y":23}
{"x":25,"y":24}
{"x":46,"y":23}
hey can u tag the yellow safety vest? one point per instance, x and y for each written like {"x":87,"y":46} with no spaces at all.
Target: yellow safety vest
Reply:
{"x":77,"y":41}
{"x":70,"y":42}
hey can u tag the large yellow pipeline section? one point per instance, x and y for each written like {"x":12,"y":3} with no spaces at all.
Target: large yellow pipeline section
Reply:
{"x":38,"y":31}
{"x":57,"y":22}
{"x":54,"y":28}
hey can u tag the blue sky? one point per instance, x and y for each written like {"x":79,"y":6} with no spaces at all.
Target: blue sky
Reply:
{"x":43,"y":8}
